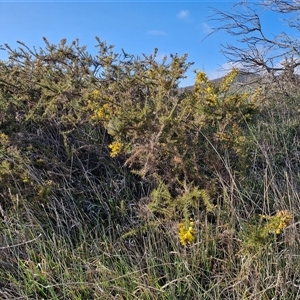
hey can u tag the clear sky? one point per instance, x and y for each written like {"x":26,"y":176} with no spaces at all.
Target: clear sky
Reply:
{"x":136,"y":26}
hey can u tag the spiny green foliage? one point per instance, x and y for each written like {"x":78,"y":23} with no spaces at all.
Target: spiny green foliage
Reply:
{"x":77,"y":224}
{"x":169,"y":135}
{"x":192,"y":199}
{"x":174,"y":138}
{"x":258,"y":236}
{"x":49,"y":149}
{"x":46,"y":85}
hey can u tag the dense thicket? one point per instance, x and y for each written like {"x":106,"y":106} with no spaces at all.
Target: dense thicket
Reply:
{"x":104,"y":160}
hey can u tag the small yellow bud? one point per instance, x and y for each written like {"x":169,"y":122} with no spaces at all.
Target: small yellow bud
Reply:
{"x":186,"y":236}
{"x":115,"y":148}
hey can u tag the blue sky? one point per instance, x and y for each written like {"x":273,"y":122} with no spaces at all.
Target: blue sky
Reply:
{"x":136,"y":26}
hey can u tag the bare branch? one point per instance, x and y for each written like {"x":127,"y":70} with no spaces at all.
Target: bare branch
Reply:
{"x":282,"y":6}
{"x":254,"y":51}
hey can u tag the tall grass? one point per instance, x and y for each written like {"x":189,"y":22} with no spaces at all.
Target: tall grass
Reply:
{"x":79,"y":256}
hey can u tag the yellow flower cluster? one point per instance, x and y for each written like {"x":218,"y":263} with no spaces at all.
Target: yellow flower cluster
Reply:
{"x":227,"y":80}
{"x":201,"y":78}
{"x":186,"y":233}
{"x":102,"y":113}
{"x":95,"y":94}
{"x":278,"y":222}
{"x":115,"y":148}
{"x":204,"y":86}
{"x":3,"y":138}
{"x":101,"y":106}
{"x":257,"y":98}
{"x":205,"y":89}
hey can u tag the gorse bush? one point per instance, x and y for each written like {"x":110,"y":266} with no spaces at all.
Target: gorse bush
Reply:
{"x":166,"y":128}
{"x":49,"y":149}
{"x":109,"y":170}
{"x":175,"y":139}
{"x":258,"y":236}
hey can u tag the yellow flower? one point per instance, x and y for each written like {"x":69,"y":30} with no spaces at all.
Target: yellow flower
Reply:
{"x":208,"y":89}
{"x":3,"y":138}
{"x":211,"y":99}
{"x":200,"y":83}
{"x":228,"y":79}
{"x":284,"y":217}
{"x":201,"y":77}
{"x":115,"y":148}
{"x":278,"y":222}
{"x":25,"y":178}
{"x":257,"y":97}
{"x":95,"y":94}
{"x":102,"y":113}
{"x":186,"y":233}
